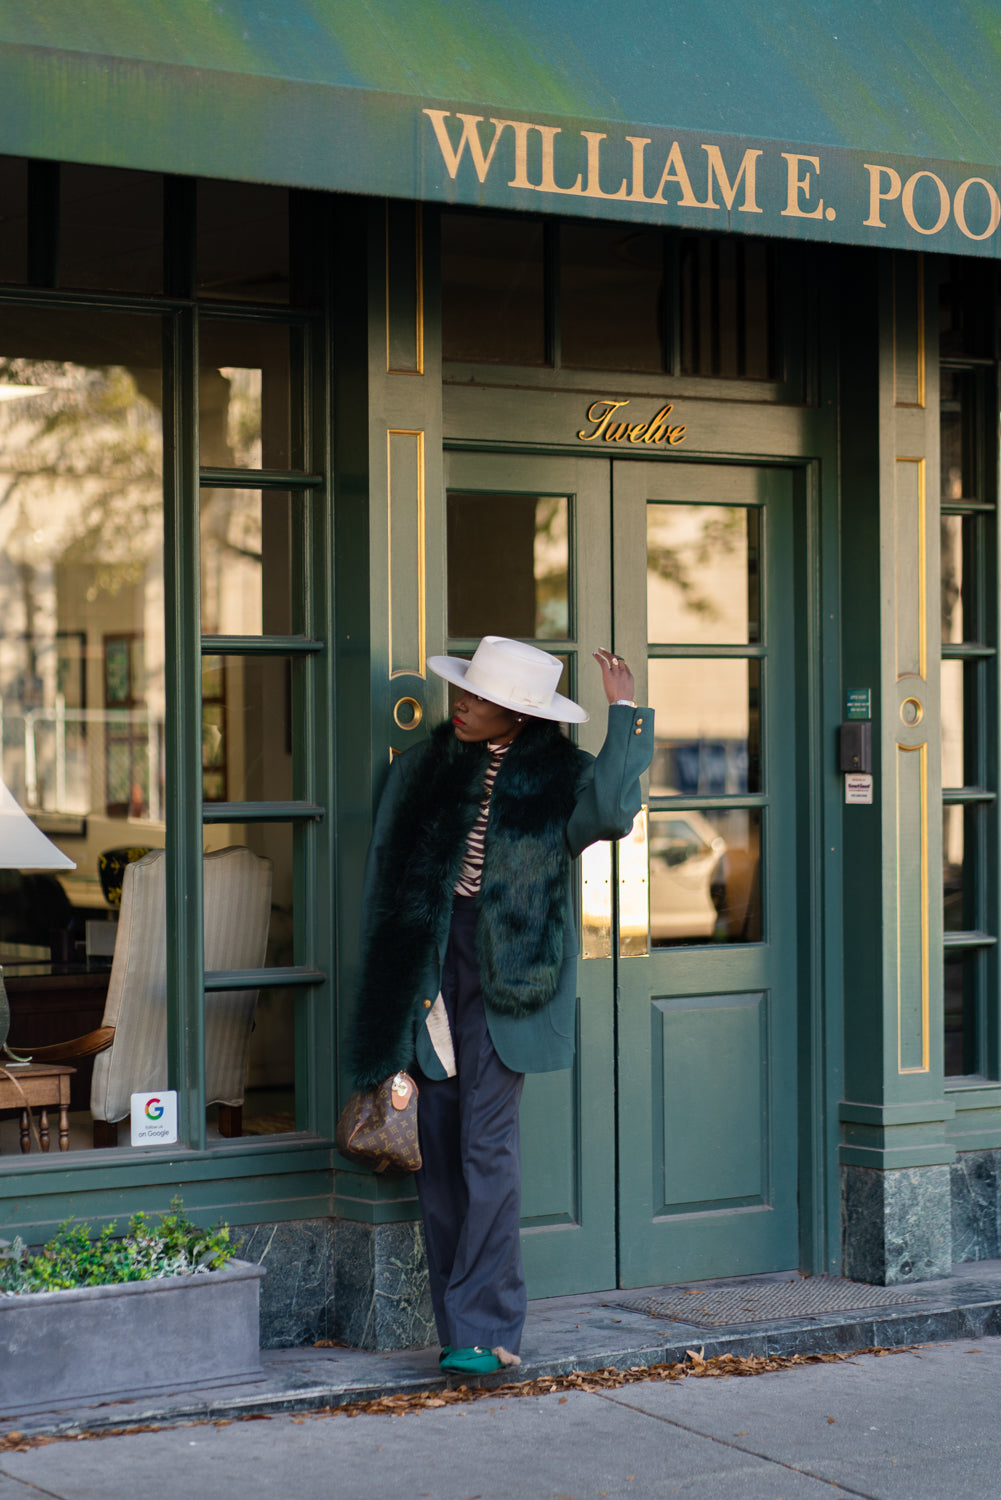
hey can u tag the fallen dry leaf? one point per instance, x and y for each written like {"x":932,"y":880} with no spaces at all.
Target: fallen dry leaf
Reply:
{"x":593,"y":1382}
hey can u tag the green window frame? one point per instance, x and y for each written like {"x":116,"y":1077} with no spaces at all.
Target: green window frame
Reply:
{"x":247,"y":1170}
{"x":969,"y":654}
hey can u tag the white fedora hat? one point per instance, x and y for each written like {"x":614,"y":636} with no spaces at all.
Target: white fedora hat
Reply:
{"x":513,"y":675}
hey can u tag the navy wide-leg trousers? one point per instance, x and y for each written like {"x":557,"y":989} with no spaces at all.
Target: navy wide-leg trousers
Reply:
{"x":470,"y":1182}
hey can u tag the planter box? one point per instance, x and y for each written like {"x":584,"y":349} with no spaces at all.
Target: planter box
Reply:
{"x":133,"y":1339}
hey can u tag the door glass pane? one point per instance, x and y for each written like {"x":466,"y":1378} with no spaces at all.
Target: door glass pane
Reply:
{"x":246,"y":540}
{"x":508,"y":565}
{"x":705,"y":876}
{"x":708,"y":734}
{"x":953,"y":764}
{"x":702,"y":574}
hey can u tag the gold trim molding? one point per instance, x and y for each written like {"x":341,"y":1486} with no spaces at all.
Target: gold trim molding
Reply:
{"x":417,"y":554}
{"x":922,"y":752}
{"x":418,"y":369}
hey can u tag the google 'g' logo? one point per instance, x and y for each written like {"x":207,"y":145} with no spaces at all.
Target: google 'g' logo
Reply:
{"x":154,"y":1109}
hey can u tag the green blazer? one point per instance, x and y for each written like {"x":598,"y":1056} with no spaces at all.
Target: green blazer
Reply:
{"x":607,"y":799}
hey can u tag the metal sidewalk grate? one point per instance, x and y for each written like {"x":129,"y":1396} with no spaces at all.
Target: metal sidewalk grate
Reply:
{"x":806,"y":1297}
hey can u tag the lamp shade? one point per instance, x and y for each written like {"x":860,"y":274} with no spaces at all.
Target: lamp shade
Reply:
{"x":22,"y":845}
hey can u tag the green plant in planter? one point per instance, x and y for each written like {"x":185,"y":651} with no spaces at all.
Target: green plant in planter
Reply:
{"x":169,"y":1245}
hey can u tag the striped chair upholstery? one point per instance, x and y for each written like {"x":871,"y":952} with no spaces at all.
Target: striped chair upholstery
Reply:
{"x":237,"y":898}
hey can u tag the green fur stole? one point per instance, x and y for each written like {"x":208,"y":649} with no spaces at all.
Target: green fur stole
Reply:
{"x":522,"y":899}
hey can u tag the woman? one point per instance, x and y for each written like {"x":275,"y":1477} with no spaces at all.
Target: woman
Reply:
{"x":470,"y":953}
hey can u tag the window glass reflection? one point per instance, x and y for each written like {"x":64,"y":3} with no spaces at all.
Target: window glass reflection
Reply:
{"x":957,"y":414}
{"x":243,"y":395}
{"x":269,"y":1099}
{"x":952,"y":578}
{"x":708,"y":737}
{"x":508,"y":565}
{"x":82,"y":681}
{"x":247,"y":728}
{"x":272,"y":842}
{"x":961,"y":973}
{"x":245,"y":562}
{"x":953,"y":759}
{"x":705,"y":876}
{"x":702,"y":574}
{"x":954,"y":822}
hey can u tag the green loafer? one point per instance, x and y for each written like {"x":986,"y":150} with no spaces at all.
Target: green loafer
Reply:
{"x":474,"y":1361}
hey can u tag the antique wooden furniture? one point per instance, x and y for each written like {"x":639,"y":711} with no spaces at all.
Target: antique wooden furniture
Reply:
{"x":50,"y":1004}
{"x":130,"y":1046}
{"x":35,"y":1085}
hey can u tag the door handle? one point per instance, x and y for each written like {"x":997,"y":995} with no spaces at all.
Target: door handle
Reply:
{"x":407,"y":713}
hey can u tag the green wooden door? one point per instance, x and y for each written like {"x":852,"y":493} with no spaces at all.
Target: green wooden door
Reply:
{"x":687,"y":983}
{"x":527,"y":555}
{"x":703,"y":601}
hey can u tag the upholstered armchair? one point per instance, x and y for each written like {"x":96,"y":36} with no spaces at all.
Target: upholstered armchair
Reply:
{"x":130,"y":1046}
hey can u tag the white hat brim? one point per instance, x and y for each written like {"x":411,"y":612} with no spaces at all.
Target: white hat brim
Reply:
{"x":562,"y":710}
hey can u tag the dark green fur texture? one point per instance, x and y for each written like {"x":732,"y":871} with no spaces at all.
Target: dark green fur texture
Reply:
{"x":523,"y":894}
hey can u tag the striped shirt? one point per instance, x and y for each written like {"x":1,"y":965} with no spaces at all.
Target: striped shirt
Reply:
{"x":468,"y":883}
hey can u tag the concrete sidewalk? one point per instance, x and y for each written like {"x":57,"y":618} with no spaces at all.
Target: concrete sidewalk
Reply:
{"x":567,"y":1334}
{"x":918,"y":1425}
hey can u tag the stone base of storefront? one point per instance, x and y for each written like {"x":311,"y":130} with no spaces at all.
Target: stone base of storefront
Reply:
{"x":914,"y":1224}
{"x":364,"y":1285}
{"x":896,"y":1226}
{"x":381,"y":1296}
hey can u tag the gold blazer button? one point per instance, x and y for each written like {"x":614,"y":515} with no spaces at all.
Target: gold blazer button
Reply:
{"x":427,"y":1004}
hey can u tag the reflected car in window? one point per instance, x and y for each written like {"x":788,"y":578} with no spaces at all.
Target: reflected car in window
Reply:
{"x":687,"y":877}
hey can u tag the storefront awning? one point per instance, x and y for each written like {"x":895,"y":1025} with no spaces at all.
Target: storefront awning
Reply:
{"x":872,"y":123}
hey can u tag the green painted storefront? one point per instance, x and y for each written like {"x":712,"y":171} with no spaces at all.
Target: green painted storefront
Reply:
{"x":720,"y":390}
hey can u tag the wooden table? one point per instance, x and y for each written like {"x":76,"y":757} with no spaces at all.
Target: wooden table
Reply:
{"x":37,"y":1085}
{"x":52,"y":1003}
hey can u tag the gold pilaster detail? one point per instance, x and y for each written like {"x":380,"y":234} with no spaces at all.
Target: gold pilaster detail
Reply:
{"x":909,"y":362}
{"x":905,"y":920}
{"x":417,"y":368}
{"x":406,"y":562}
{"x":910,"y":558}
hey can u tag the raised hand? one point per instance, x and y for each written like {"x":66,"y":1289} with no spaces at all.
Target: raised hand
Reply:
{"x":615,"y":675}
